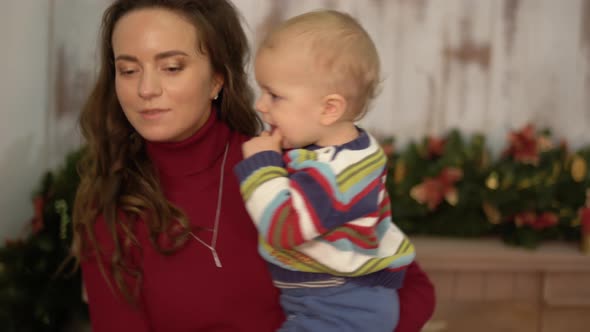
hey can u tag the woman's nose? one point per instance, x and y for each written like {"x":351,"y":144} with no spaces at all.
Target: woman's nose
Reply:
{"x":149,"y":85}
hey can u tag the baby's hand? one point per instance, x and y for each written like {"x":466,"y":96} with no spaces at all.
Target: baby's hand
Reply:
{"x":265,"y":142}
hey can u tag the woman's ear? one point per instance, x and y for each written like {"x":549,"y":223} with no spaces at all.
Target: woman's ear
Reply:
{"x":217,"y":86}
{"x":334,"y":108}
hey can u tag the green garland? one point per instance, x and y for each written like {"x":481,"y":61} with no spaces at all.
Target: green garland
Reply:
{"x":536,"y":190}
{"x":448,"y":186}
{"x":33,"y":295}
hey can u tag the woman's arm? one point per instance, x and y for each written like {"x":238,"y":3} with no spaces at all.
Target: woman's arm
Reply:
{"x":109,"y":312}
{"x":417,"y":300}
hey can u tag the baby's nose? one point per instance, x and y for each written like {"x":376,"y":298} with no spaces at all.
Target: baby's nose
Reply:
{"x":259,"y":105}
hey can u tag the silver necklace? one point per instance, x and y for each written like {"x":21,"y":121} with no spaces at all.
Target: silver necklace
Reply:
{"x":217,"y":213}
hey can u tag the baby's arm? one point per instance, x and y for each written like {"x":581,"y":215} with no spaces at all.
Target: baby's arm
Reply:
{"x":291,"y":209}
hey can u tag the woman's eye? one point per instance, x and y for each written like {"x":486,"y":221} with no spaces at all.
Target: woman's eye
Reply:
{"x":173,"y":69}
{"x":126,"y":72}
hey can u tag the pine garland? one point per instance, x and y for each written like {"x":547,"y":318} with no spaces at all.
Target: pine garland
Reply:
{"x":536,"y":190}
{"x":33,"y":295}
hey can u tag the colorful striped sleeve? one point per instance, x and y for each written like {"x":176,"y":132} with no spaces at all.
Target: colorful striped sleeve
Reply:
{"x":291,"y":208}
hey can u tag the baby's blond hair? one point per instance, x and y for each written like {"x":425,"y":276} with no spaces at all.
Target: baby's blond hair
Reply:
{"x":342,"y":51}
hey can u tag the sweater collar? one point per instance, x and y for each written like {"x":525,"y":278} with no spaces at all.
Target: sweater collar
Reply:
{"x":361,"y":142}
{"x":194,"y":154}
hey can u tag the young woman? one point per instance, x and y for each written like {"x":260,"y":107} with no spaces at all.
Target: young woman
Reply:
{"x":163,"y":238}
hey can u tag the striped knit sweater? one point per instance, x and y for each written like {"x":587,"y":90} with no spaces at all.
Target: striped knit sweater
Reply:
{"x":323,"y":215}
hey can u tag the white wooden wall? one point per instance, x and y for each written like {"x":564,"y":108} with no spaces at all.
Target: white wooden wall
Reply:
{"x":477,"y":65}
{"x":73,"y":58}
{"x":23,"y":100}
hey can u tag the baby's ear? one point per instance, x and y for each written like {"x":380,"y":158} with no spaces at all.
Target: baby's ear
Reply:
{"x":334,"y":108}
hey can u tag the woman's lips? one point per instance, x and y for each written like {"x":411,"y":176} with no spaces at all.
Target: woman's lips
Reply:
{"x":153,"y":113}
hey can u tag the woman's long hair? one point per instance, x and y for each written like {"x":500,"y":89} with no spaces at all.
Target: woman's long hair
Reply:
{"x":117,"y":177}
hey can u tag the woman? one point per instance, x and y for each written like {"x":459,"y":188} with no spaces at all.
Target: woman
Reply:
{"x":162,"y":235}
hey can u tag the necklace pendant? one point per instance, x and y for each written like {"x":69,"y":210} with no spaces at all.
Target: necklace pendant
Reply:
{"x":216,"y":258}
{"x":217,"y":214}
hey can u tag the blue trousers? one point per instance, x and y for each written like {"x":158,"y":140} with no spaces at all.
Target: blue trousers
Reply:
{"x":346,"y":308}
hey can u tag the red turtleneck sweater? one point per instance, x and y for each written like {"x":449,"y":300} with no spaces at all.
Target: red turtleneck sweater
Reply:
{"x":185,"y":291}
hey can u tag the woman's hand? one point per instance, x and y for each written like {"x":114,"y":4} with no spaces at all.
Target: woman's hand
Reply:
{"x":265,"y":142}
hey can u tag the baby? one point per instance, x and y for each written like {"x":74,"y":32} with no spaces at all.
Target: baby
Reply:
{"x":314,"y":184}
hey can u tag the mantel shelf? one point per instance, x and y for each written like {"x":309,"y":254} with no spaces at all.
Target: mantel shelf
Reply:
{"x":491,"y":254}
{"x":546,"y":289}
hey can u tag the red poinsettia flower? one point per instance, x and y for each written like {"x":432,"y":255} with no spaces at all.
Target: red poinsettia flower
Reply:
{"x":545,"y":220}
{"x":537,"y":222}
{"x":436,"y":147}
{"x":429,"y":192}
{"x":523,"y":145}
{"x":37,"y":220}
{"x":525,"y":218}
{"x":584,"y":214}
{"x":432,"y":191}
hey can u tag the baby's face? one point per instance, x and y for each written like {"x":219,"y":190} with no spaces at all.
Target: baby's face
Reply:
{"x":290,"y":98}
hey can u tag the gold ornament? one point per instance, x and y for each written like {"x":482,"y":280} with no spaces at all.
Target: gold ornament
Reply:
{"x":400,"y":171}
{"x":452,"y":198}
{"x":579,"y":168}
{"x":492,"y":181}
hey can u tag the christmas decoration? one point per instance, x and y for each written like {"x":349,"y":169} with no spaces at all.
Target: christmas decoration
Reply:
{"x":34,"y":294}
{"x":432,"y":191}
{"x":448,"y":186}
{"x":435,"y":186}
{"x":536,"y":186}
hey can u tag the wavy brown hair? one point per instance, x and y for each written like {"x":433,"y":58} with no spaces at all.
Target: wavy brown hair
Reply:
{"x":117,"y":177}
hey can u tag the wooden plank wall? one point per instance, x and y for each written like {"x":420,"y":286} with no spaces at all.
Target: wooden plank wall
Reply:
{"x":479,"y":65}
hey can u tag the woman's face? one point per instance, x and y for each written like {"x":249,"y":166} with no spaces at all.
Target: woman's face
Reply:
{"x":163,"y":82}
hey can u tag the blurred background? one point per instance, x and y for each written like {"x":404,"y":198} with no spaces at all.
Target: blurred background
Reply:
{"x":484,"y":111}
